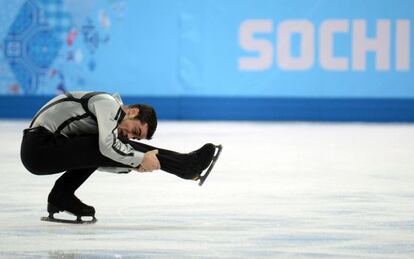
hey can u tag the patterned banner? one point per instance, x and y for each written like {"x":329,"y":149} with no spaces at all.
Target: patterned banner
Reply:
{"x":248,"y":48}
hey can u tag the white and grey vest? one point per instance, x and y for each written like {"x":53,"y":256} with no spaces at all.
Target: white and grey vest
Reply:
{"x":79,"y":113}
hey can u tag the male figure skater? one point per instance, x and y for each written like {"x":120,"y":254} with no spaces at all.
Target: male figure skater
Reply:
{"x":80,"y":132}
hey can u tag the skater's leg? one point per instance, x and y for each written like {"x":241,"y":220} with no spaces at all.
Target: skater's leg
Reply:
{"x":43,"y":152}
{"x":70,"y":181}
{"x":170,"y":161}
{"x":184,"y":165}
{"x":62,"y":196}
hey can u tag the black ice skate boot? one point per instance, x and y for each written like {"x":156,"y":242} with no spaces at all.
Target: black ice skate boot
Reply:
{"x":70,"y":203}
{"x":202,"y":159}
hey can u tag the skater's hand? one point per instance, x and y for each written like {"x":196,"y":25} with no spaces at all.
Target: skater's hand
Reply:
{"x":150,"y":162}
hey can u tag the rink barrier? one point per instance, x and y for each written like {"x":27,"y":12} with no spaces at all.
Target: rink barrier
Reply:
{"x":250,"y":109}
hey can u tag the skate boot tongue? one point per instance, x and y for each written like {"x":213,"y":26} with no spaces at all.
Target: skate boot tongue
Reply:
{"x":200,"y":159}
{"x":77,"y":207}
{"x":203,"y":156}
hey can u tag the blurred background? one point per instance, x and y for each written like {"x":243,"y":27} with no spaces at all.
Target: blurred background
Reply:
{"x":296,"y":60}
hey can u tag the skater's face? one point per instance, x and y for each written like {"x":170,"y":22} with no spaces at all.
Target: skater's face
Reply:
{"x":132,"y":128}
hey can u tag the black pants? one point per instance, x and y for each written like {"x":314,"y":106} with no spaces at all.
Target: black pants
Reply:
{"x":44,"y":152}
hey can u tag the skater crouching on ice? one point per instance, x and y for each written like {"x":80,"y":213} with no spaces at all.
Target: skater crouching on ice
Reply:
{"x":80,"y":132}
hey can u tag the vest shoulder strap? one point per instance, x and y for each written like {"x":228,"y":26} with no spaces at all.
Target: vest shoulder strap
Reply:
{"x":84,"y":101}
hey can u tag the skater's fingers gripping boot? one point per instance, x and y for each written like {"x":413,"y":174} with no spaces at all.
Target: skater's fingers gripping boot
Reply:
{"x":150,"y":162}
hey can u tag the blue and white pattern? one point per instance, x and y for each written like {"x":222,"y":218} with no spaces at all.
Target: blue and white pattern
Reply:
{"x":58,"y":19}
{"x":33,"y":41}
{"x":298,"y":49}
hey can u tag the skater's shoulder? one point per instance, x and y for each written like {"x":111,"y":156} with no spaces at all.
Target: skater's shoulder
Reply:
{"x":117,"y":97}
{"x":101,"y":96}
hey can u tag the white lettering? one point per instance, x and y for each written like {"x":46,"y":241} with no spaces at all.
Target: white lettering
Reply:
{"x":361,"y":44}
{"x":284,"y":52}
{"x":260,"y":49}
{"x":402,"y":48}
{"x":262,"y":46}
{"x":328,"y":29}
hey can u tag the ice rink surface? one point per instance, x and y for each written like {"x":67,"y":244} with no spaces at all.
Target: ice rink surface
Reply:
{"x":279,"y":190}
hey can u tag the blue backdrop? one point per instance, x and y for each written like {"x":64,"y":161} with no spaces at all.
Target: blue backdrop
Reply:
{"x":211,"y":59}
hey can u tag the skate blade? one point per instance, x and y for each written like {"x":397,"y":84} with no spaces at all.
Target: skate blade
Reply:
{"x":68,"y":221}
{"x":203,"y":177}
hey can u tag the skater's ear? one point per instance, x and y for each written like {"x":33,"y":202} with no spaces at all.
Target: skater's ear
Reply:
{"x":133,"y":112}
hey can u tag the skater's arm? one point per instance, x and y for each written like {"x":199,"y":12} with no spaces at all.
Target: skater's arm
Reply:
{"x":149,"y":163}
{"x":107,"y":112}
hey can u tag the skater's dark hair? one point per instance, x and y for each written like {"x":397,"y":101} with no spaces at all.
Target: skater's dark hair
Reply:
{"x":147,"y":115}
